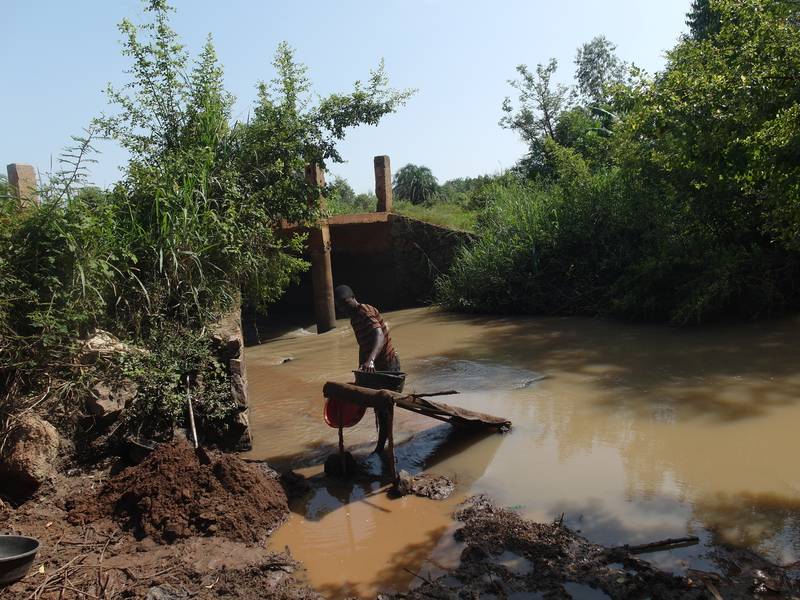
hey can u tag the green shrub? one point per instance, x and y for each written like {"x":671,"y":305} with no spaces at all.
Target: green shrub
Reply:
{"x":189,"y":228}
{"x":173,"y":356}
{"x":676,"y":199}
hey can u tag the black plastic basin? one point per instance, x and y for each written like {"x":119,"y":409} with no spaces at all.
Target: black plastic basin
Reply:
{"x":381,"y":380}
{"x":17,"y":554}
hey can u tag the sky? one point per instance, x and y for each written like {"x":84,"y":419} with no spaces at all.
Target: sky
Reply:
{"x":458,"y":54}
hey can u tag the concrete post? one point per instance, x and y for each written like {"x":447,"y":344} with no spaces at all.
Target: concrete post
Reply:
{"x":383,"y":183}
{"x":23,"y":181}
{"x":319,"y":245}
{"x":315,"y":176}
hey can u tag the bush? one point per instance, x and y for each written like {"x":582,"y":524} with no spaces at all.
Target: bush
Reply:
{"x":676,"y":199}
{"x":161,"y":373}
{"x":189,"y":228}
{"x":543,"y":247}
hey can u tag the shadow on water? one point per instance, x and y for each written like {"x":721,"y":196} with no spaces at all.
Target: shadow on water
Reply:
{"x":640,"y":433}
{"x":691,"y":363}
{"x":422,"y":451}
{"x":747,"y":520}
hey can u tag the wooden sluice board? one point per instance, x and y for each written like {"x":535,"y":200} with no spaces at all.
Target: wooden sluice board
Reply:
{"x":383,"y":399}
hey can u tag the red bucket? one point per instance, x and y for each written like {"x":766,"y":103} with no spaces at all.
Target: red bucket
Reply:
{"x":340,"y":413}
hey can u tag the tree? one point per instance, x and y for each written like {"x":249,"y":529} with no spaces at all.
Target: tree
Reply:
{"x":340,"y":198}
{"x":677,"y":201}
{"x":597,"y":68}
{"x":340,"y":188}
{"x":190,"y":226}
{"x":702,"y":19}
{"x":541,"y":102}
{"x":289,"y":130}
{"x":417,"y":184}
{"x":203,"y":195}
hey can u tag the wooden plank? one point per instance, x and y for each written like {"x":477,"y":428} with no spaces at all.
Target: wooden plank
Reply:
{"x":357,"y":395}
{"x":456,"y":416}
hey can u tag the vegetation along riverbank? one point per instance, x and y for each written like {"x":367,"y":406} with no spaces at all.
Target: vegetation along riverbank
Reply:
{"x":667,"y":198}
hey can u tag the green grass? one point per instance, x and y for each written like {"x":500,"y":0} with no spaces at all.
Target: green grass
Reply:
{"x":453,"y":216}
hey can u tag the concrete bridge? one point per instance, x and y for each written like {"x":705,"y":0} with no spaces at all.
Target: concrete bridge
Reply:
{"x":389,"y":260}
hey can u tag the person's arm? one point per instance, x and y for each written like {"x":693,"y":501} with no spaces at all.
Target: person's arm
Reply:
{"x":378,"y":341}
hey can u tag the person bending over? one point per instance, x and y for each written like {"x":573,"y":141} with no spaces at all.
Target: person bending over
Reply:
{"x":375,"y":349}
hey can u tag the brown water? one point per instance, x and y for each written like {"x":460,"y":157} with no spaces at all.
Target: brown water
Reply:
{"x":635,"y":433}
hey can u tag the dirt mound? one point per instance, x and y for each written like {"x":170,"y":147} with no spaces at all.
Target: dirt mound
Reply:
{"x":178,"y":493}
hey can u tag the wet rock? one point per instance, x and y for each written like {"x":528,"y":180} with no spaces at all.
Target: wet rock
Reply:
{"x":426,"y":485}
{"x":28,"y":456}
{"x":108,"y":399}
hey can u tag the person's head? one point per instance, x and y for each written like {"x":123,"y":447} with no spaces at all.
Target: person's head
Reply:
{"x":345,"y":299}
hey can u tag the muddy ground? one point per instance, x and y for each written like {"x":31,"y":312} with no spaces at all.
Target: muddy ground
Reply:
{"x":193,"y":525}
{"x":176,"y":526}
{"x":506,"y":556}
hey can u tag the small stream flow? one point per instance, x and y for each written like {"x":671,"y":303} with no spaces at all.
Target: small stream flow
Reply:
{"x":633,"y":432}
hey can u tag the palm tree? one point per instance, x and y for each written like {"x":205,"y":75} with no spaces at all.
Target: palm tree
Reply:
{"x":417,"y":184}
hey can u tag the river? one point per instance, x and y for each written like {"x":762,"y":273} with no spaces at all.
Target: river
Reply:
{"x":634,"y":433}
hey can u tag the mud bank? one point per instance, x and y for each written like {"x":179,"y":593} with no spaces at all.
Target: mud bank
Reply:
{"x":173,"y":527}
{"x":505,"y":556}
{"x":502,"y":554}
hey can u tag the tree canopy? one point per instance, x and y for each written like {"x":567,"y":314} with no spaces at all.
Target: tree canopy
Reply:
{"x":672,"y":196}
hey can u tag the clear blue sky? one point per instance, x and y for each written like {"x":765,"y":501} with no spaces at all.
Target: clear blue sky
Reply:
{"x":58,"y":56}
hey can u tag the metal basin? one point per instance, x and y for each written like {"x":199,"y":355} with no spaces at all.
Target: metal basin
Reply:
{"x":381,"y":380}
{"x":17,"y":553}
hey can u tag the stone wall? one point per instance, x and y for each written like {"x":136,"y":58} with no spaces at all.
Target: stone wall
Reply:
{"x":421,"y":252}
{"x":228,"y":338}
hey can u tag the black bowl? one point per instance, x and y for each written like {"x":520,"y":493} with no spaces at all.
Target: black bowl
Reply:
{"x":381,"y":380}
{"x":17,"y":554}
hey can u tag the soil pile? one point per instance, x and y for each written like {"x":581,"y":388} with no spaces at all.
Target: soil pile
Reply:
{"x":178,"y":493}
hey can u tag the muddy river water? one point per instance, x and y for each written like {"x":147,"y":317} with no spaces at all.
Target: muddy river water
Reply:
{"x":635,"y":433}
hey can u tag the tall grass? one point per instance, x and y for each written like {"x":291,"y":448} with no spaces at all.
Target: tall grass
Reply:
{"x":454,"y":216}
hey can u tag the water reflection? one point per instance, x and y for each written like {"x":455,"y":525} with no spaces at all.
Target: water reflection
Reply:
{"x":635,"y":433}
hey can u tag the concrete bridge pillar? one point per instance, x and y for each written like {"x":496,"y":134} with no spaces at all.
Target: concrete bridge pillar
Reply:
{"x":383,"y":183}
{"x":319,"y":245}
{"x":23,"y":181}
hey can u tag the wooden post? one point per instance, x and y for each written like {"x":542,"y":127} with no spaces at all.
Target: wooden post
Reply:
{"x":319,"y":245}
{"x":342,"y":457}
{"x":391,"y":457}
{"x":22,"y":179}
{"x":383,"y":183}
